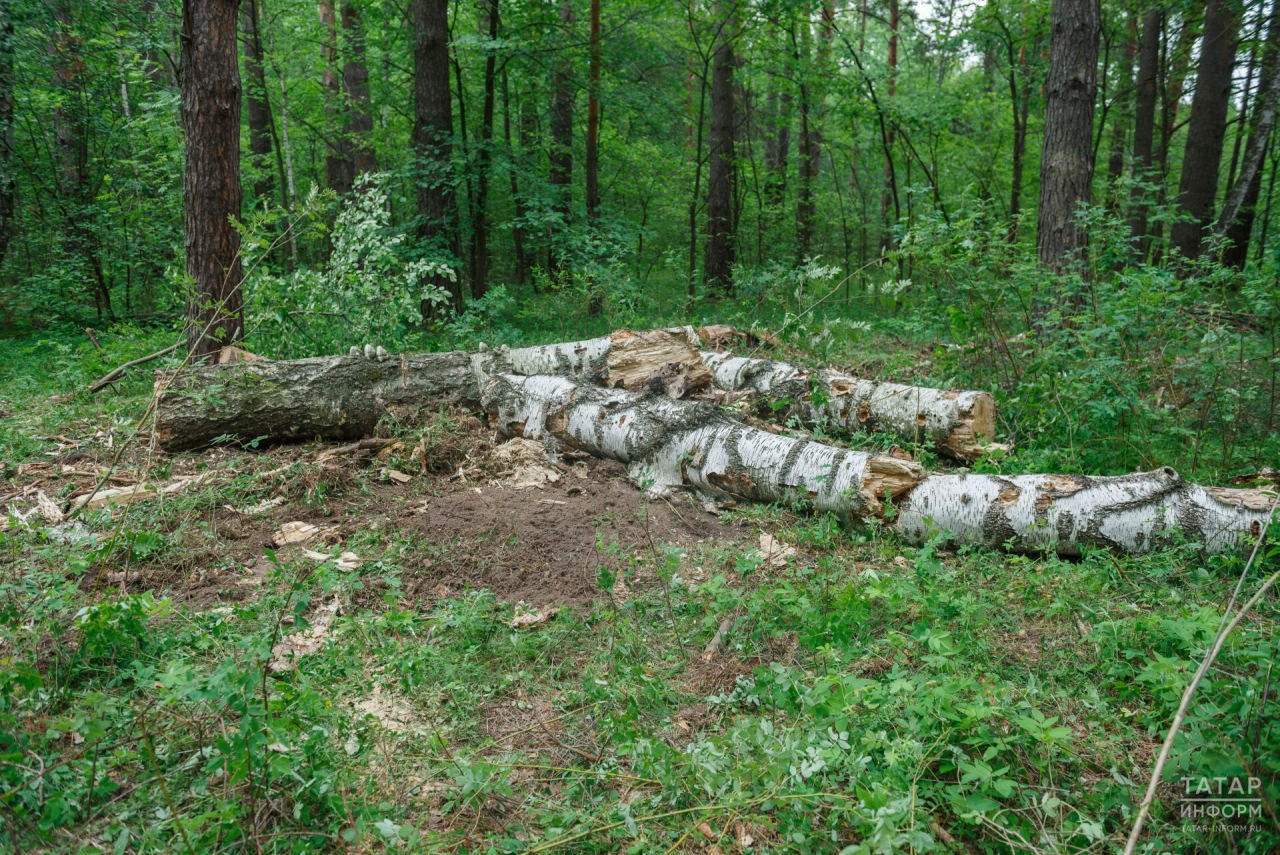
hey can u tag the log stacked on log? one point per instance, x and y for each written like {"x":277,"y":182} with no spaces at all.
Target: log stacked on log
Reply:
{"x":960,"y":423}
{"x":619,"y":397}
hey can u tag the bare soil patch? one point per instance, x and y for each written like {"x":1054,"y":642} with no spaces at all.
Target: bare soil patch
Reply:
{"x":544,"y":546}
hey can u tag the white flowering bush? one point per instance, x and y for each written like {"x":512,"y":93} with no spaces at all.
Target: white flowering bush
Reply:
{"x":368,"y":291}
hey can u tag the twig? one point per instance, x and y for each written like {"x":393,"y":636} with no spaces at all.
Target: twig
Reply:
{"x":117,"y":373}
{"x":93,"y":338}
{"x":1224,"y":630}
{"x":553,"y":737}
{"x":717,"y":640}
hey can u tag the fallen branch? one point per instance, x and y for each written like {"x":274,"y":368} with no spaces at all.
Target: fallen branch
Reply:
{"x":717,"y":640}
{"x":116,"y":374}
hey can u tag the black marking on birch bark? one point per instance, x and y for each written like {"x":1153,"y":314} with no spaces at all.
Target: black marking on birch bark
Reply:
{"x":996,"y":528}
{"x":789,"y":464}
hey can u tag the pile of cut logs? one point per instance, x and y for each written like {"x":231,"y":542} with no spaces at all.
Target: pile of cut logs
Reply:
{"x":663,"y":403}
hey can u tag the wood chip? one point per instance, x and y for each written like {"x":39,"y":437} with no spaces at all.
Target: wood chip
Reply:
{"x":294,"y":532}
{"x":397,"y":476}
{"x":774,"y":551}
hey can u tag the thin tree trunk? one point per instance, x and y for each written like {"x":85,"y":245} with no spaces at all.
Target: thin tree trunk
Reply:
{"x":561,"y":157}
{"x":337,"y":159}
{"x":1207,"y":128}
{"x":154,"y":63}
{"x":595,"y":304}
{"x":890,"y":175}
{"x":807,"y":144}
{"x":1020,"y":104}
{"x":355,"y":89}
{"x":289,"y":188}
{"x":257,"y":105}
{"x":7,"y":190}
{"x":777,"y":150}
{"x":514,"y":160}
{"x":1123,"y":101}
{"x":1175,"y":79}
{"x":212,"y":196}
{"x":484,"y":159}
{"x":433,"y":142}
{"x":1066,"y":161}
{"x":1144,"y":121}
{"x":1240,"y":230}
{"x":719,"y":253}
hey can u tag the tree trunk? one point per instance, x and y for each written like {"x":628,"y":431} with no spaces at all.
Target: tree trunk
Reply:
{"x":154,"y":63}
{"x":1122,"y":101}
{"x":211,"y":177}
{"x":355,"y":89}
{"x":7,"y":189}
{"x":484,"y":158}
{"x":1144,"y":122}
{"x":777,"y":149}
{"x":1067,"y":513}
{"x":1207,"y":128}
{"x":719,"y":253}
{"x":257,"y":105}
{"x":337,"y":158}
{"x":561,"y":155}
{"x":433,"y":141}
{"x":516,"y":158}
{"x":595,"y":301}
{"x":1177,"y":65}
{"x":334,"y":397}
{"x":960,"y":424}
{"x":1066,"y":161}
{"x":668,"y":445}
{"x":890,"y":176}
{"x":806,"y":145}
{"x":1020,"y":104}
{"x":1240,"y":230}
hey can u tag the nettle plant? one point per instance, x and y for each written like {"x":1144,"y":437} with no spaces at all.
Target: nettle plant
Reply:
{"x":371,"y":289}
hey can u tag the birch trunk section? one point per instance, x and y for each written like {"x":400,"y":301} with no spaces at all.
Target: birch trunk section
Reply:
{"x":959,"y":423}
{"x":1064,"y":514}
{"x":668,"y":444}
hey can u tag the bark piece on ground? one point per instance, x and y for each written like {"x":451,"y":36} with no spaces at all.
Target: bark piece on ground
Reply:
{"x":331,"y":397}
{"x":1063,"y":513}
{"x":295,"y":532}
{"x":774,"y":552}
{"x":311,"y":640}
{"x":668,"y":444}
{"x":960,"y":423}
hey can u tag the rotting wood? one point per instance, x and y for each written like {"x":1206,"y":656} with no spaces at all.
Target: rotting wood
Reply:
{"x":960,"y":423}
{"x":668,"y":444}
{"x":1066,"y":513}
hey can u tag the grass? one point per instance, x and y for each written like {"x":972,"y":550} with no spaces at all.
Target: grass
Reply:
{"x":869,"y":697}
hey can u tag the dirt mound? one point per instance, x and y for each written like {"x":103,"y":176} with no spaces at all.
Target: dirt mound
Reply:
{"x":540,"y":546}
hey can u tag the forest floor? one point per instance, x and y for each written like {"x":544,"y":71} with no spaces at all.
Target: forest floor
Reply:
{"x":466,"y":650}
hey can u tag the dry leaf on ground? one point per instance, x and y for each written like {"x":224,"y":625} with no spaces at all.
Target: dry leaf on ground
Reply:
{"x":774,"y":551}
{"x":526,"y":618}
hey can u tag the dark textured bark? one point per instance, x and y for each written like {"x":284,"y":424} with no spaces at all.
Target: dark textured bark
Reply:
{"x":1177,"y":63}
{"x":1020,"y":106}
{"x":1066,"y":161}
{"x":718,"y":254}
{"x":256,"y":104}
{"x":433,"y":139}
{"x":1240,"y":231}
{"x":332,"y":397}
{"x":7,"y":189}
{"x":890,"y":194}
{"x":777,"y":146}
{"x":1207,"y":128}
{"x":808,"y":150}
{"x":561,"y":155}
{"x":484,"y":159}
{"x":211,"y":178}
{"x":337,"y":157}
{"x":355,"y":91}
{"x":1144,"y":124}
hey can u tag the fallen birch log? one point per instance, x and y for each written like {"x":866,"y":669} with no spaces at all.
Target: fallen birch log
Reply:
{"x":1063,"y":513}
{"x":333,"y":397}
{"x":668,"y":444}
{"x":959,"y":423}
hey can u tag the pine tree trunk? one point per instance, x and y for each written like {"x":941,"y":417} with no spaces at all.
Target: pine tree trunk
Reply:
{"x":1144,"y":123}
{"x":1207,"y":128}
{"x":1066,"y":161}
{"x":211,"y":178}
{"x":1240,"y":231}
{"x":433,"y":140}
{"x":355,"y":89}
{"x":561,"y":155}
{"x":1066,"y":513}
{"x":257,"y":105}
{"x":484,"y":158}
{"x":7,"y":190}
{"x":719,"y":252}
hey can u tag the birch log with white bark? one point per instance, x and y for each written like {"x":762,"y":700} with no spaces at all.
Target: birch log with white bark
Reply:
{"x":960,"y":423}
{"x":667,"y":444}
{"x":1064,"y":513}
